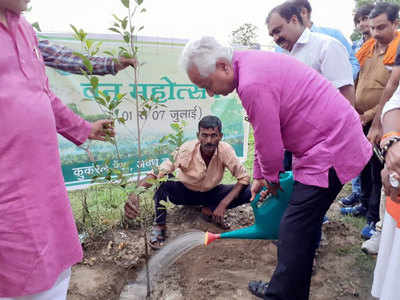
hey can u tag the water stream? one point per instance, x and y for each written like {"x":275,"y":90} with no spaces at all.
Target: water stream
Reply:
{"x":165,"y":257}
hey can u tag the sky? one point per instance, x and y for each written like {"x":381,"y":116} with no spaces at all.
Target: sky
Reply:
{"x":182,"y":18}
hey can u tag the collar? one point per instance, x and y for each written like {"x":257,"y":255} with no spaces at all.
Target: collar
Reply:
{"x":215,"y":155}
{"x":304,"y":37}
{"x":302,"y":40}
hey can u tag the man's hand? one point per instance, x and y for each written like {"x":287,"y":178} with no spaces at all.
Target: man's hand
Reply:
{"x":101,"y":129}
{"x":375,"y":133}
{"x":132,"y":207}
{"x":124,"y":62}
{"x":392,"y":168}
{"x":219,"y":213}
{"x":364,"y":120}
{"x":256,"y":187}
{"x":273,"y":188}
{"x":390,"y":191}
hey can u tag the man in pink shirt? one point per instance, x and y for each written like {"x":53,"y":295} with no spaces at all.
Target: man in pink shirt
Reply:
{"x":38,"y":236}
{"x":290,"y":106}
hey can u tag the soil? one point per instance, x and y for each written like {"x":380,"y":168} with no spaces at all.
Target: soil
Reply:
{"x":222,"y":269}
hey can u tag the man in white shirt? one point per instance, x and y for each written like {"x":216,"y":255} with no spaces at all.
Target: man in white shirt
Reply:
{"x":321,"y":52}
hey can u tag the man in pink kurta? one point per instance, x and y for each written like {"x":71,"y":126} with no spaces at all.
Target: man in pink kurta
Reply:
{"x":38,"y":236}
{"x":290,"y":106}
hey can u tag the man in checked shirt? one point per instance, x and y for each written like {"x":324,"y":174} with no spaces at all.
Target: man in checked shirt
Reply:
{"x":63,"y":58}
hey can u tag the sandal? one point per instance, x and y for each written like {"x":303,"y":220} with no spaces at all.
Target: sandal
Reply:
{"x":209,"y":219}
{"x":157,"y":237}
{"x":258,"y":288}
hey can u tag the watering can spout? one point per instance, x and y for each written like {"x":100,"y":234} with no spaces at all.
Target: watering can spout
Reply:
{"x":210,"y":237}
{"x":267,"y":215}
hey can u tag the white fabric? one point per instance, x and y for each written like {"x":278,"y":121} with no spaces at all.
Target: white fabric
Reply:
{"x":393,"y":103}
{"x":387,"y":270}
{"x":324,"y":54}
{"x":382,"y":210}
{"x":57,"y":292}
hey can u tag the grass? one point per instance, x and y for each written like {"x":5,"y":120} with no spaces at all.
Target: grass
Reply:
{"x":103,"y":204}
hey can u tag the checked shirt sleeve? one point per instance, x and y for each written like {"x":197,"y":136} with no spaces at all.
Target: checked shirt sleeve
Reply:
{"x":63,"y":58}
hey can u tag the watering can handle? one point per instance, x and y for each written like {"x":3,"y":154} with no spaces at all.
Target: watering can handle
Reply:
{"x":257,"y":198}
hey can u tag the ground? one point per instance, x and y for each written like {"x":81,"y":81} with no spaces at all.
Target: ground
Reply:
{"x":223,"y":269}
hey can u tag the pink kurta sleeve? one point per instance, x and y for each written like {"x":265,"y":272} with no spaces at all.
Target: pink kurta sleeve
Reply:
{"x":257,"y":174}
{"x":262,"y":106}
{"x":68,"y":124}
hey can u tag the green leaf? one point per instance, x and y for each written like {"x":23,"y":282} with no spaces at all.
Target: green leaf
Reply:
{"x":141,"y":27}
{"x":125,"y":3}
{"x":94,"y":81}
{"x":85,"y":61}
{"x":123,"y":52}
{"x":124,"y":23}
{"x":116,"y":171}
{"x":75,"y":30}
{"x":120,"y":96}
{"x":89,"y":44}
{"x":121,"y":120}
{"x":139,"y":2}
{"x":114,"y":30}
{"x":109,"y":53}
{"x":143,"y":10}
{"x":116,"y":18}
{"x":175,"y":126}
{"x":100,"y":101}
{"x":127,"y":37}
{"x":116,"y":112}
{"x":86,"y":99}
{"x":36,"y":26}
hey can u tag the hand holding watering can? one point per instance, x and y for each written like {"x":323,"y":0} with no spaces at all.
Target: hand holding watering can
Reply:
{"x":272,"y":188}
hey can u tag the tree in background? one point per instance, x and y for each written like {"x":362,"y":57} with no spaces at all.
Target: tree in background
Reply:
{"x":362,"y":2}
{"x":245,"y":35}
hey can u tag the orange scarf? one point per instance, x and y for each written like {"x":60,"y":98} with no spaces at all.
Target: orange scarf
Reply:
{"x":367,"y":51}
{"x":393,"y":209}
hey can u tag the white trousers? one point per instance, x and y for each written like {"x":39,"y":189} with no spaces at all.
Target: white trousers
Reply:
{"x":386,"y":275}
{"x":57,"y":292}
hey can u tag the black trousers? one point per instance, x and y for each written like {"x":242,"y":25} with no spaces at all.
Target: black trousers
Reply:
{"x":298,"y":235}
{"x":178,"y":194}
{"x":371,"y":184}
{"x":287,"y":160}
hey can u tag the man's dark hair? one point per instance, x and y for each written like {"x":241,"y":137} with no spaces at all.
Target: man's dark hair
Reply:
{"x":286,"y":10}
{"x":390,"y":9}
{"x":210,"y":122}
{"x":302,"y":3}
{"x":363,"y":12}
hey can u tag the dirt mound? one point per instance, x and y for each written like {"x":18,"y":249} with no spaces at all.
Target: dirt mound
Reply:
{"x":223,"y":269}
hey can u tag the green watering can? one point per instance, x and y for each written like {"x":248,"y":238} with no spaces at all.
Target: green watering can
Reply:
{"x":268,"y":215}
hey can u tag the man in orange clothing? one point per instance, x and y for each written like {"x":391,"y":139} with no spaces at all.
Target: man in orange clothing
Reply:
{"x":199,"y":166}
{"x":376,"y":57}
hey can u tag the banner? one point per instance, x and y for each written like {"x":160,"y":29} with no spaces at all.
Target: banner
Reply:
{"x":159,"y":76}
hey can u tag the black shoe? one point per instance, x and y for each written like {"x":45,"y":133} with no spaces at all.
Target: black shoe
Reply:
{"x":350,"y":200}
{"x":258,"y":288}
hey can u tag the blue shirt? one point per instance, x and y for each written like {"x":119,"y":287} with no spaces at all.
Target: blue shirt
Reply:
{"x":357,"y":45}
{"x":340,"y":37}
